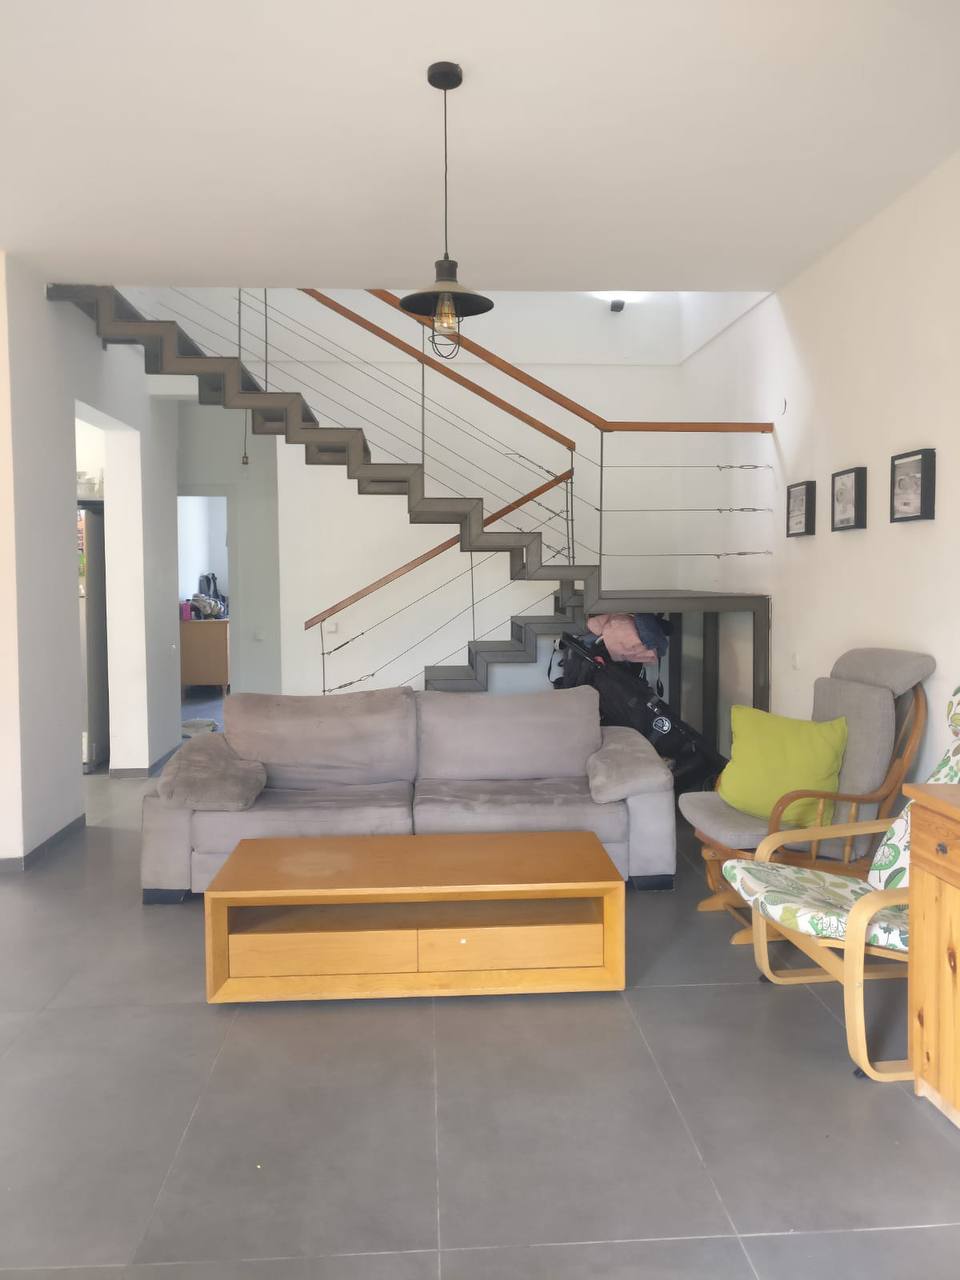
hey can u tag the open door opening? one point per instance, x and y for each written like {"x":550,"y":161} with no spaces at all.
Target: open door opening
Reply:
{"x":204,"y":577}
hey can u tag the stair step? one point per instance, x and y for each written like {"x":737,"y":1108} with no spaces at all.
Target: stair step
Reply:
{"x":382,"y":486}
{"x":452,"y":680}
{"x":225,"y":380}
{"x":501,"y":651}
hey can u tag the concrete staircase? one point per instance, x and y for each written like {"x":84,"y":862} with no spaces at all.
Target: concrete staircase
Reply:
{"x":224,"y":380}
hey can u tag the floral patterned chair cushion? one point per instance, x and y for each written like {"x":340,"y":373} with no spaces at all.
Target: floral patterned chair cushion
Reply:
{"x":890,"y":868}
{"x":816,"y":902}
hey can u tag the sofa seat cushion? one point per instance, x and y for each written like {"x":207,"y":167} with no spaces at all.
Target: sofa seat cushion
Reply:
{"x":539,"y":804}
{"x":382,"y":808}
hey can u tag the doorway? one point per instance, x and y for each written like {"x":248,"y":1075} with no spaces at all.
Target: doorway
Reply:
{"x":203,"y":558}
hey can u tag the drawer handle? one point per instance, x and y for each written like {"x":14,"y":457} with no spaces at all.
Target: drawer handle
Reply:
{"x":942,"y":849}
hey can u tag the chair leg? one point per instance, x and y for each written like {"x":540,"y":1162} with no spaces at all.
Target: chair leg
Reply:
{"x":721,"y":896}
{"x":854,"y":1014}
{"x":763,"y":934}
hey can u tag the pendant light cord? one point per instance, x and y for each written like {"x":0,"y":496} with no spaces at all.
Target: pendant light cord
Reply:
{"x":446,"y":247}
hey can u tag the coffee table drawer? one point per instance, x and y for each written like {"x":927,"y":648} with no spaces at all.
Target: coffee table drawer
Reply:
{"x":541,"y":935}
{"x":290,"y":942}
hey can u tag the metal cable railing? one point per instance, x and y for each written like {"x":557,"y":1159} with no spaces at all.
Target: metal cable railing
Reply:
{"x":324,"y":412}
{"x":381,"y":402}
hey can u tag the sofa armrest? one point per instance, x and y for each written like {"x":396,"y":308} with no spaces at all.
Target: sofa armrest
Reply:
{"x":165,"y":849}
{"x":206,"y":773}
{"x":626,"y":765}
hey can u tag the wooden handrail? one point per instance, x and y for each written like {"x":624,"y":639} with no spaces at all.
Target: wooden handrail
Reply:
{"x":558,"y":398}
{"x":748,"y":428}
{"x":432,"y":553}
{"x":439,"y":367}
{"x":511,"y":370}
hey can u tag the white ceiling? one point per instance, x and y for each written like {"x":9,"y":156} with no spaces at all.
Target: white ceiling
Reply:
{"x":628,"y":144}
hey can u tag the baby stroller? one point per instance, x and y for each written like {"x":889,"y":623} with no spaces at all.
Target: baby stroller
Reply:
{"x":627,"y":698}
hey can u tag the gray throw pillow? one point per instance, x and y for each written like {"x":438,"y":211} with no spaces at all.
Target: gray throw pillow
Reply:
{"x":206,"y":773}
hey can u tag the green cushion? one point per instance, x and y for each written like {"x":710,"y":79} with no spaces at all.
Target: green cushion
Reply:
{"x":772,"y":755}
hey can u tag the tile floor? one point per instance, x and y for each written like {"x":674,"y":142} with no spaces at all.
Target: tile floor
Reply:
{"x":202,"y":702}
{"x":701,"y":1124}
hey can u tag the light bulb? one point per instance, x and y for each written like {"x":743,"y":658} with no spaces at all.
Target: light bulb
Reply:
{"x":445,"y":320}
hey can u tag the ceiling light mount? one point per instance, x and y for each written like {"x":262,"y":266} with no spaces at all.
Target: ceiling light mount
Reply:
{"x":446,"y":301}
{"x":445,"y":75}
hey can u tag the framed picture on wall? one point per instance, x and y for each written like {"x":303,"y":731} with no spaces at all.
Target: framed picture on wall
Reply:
{"x":801,"y":508}
{"x":848,"y":499}
{"x":913,"y":485}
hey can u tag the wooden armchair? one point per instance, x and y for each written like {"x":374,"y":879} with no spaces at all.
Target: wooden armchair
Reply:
{"x":833,"y":919}
{"x":880,"y":694}
{"x":839,"y":920}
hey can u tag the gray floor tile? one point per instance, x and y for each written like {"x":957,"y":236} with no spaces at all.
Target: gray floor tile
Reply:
{"x":649,"y":1259}
{"x":670,"y":943}
{"x":155,"y":956}
{"x":886,"y":1007}
{"x":794,"y":1141}
{"x":927,"y":1252}
{"x":92,"y":1105}
{"x":550,"y":1108}
{"x":370,"y":1266}
{"x":11,"y":1026}
{"x":64,"y":1273}
{"x":316,"y":1136}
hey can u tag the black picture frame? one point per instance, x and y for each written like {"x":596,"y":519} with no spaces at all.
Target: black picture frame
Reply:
{"x":848,"y":499}
{"x":801,"y":509}
{"x":913,"y":485}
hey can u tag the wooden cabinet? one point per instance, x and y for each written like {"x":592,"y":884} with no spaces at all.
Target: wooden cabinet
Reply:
{"x":935,"y":944}
{"x":205,"y":653}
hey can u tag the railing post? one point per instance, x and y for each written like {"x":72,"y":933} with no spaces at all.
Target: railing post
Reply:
{"x":711,"y":677}
{"x":600,"y":536}
{"x":323,"y":660}
{"x":423,"y":408}
{"x":473,"y":602}
{"x":571,"y":538}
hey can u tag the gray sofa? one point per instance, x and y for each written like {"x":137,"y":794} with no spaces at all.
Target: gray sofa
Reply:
{"x":392,"y":761}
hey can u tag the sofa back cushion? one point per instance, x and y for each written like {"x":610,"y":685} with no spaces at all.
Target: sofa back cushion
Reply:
{"x":490,"y":736}
{"x":340,"y":738}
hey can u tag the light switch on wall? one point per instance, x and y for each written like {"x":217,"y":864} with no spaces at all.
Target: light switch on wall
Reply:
{"x":795,"y":661}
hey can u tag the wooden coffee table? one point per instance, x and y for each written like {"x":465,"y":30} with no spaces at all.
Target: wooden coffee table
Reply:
{"x":336,"y":918}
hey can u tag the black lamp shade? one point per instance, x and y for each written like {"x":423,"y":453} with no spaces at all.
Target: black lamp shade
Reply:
{"x":465,"y":301}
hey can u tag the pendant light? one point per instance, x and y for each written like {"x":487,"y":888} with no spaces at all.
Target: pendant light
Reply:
{"x":446,"y":301}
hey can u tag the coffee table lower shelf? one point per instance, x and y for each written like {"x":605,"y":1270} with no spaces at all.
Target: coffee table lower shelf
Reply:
{"x":570,"y":940}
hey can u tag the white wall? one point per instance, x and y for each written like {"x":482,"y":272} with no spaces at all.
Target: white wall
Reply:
{"x":202,"y":542}
{"x":11,"y":775}
{"x":211,"y":444}
{"x":863,"y":347}
{"x":55,"y":361}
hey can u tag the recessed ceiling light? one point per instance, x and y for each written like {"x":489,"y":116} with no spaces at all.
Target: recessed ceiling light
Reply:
{"x":621,"y":295}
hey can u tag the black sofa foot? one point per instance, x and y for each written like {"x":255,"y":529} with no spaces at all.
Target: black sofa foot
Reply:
{"x":157,"y":897}
{"x":649,"y":884}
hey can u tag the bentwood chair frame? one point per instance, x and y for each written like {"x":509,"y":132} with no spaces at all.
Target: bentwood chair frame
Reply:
{"x":837,"y":960}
